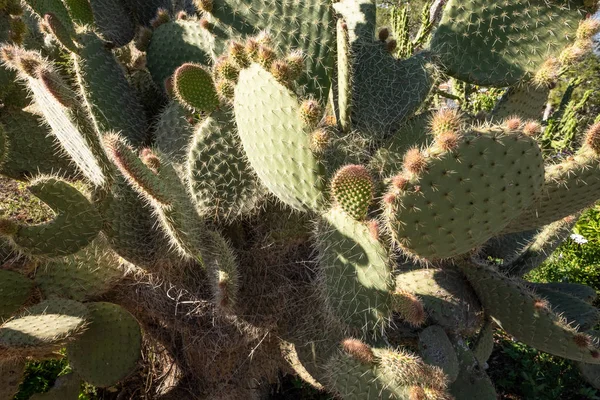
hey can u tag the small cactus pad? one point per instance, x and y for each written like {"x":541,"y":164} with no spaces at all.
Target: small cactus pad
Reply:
{"x":45,"y":326}
{"x":457,"y":198}
{"x":195,"y":88}
{"x":109,"y":349}
{"x":528,"y":317}
{"x":526,"y":101}
{"x":356,"y":274}
{"x":352,"y":188}
{"x":175,"y":43}
{"x":582,"y":292}
{"x":448,"y":299}
{"x":76,"y":224}
{"x":15,"y":290}
{"x":497,"y":44}
{"x":271,"y":129}
{"x":436,"y":349}
{"x":221,"y":181}
{"x":484,"y":345}
{"x":87,"y":274}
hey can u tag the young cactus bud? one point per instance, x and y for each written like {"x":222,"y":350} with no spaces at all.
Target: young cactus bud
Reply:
{"x":8,"y":227}
{"x":548,"y":73}
{"x":225,"y":69}
{"x":409,"y":307}
{"x":295,"y":61}
{"x":588,"y":28}
{"x":446,"y":120}
{"x":513,"y":123}
{"x":532,"y":129}
{"x":265,"y":56}
{"x":162,"y":17}
{"x":251,"y":48}
{"x":391,"y":45}
{"x":319,"y":140}
{"x":400,"y":183}
{"x":414,"y":161}
{"x":592,"y":138}
{"x":182,"y":16}
{"x":353,"y":190}
{"x":150,"y":160}
{"x":206,"y":24}
{"x":225,"y":89}
{"x":448,"y":141}
{"x":204,"y":5}
{"x":384,"y":34}
{"x":358,"y":350}
{"x":281,"y":71}
{"x":264,"y":38}
{"x":311,"y":112}
{"x":238,"y":54}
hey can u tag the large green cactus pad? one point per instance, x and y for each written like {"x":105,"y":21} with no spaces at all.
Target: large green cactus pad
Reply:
{"x":221,"y":181}
{"x":499,"y":43}
{"x":466,"y":194}
{"x":109,"y":349}
{"x":527,"y":317}
{"x":356,"y":272}
{"x":45,"y":326}
{"x":76,"y":224}
{"x":15,"y":289}
{"x":276,"y":140}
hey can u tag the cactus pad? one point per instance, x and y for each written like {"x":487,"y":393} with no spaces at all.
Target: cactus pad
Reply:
{"x":436,"y":349}
{"x":109,"y":349}
{"x":498,"y":44}
{"x":221,"y":181}
{"x":466,"y":194}
{"x":45,"y":326}
{"x":195,"y":88}
{"x":15,"y":290}
{"x":271,"y":128}
{"x":356,"y":272}
{"x":77,"y":222}
{"x":352,"y":188}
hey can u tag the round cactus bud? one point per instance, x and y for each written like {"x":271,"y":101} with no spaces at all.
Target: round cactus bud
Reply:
{"x":150,"y":159}
{"x":226,"y":69}
{"x":358,"y":350}
{"x":182,"y":15}
{"x":204,"y":5}
{"x":400,"y":182}
{"x":281,"y":71}
{"x":391,"y":45}
{"x":225,"y":89}
{"x":414,"y":161}
{"x":162,"y":17}
{"x":448,"y":141}
{"x":8,"y":227}
{"x":588,"y":28}
{"x":513,"y":123}
{"x":532,"y":128}
{"x":548,"y":73}
{"x":575,"y":52}
{"x":238,"y":54}
{"x":8,"y":53}
{"x":353,"y":190}
{"x":265,"y":56}
{"x":295,"y":61}
{"x":409,"y":307}
{"x":251,"y":48}
{"x":582,"y":340}
{"x":389,"y":198}
{"x":311,"y":112}
{"x":384,"y":34}
{"x":319,"y":140}
{"x":592,"y":138}
{"x":445,"y":120}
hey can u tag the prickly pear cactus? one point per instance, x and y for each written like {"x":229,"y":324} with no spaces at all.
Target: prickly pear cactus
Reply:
{"x":263,"y":186}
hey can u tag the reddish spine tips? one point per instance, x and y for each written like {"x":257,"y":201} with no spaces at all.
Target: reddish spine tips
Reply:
{"x":182,"y":15}
{"x":29,"y":65}
{"x":541,"y":305}
{"x":582,"y":340}
{"x":384,"y":34}
{"x":592,"y":138}
{"x":265,"y":56}
{"x":311,"y":112}
{"x":150,"y":159}
{"x":389,"y":198}
{"x":532,"y":129}
{"x":414,"y":161}
{"x":319,"y":140}
{"x":358,"y":350}
{"x":448,"y":141}
{"x":162,"y":17}
{"x":409,"y":307}
{"x":513,"y":123}
{"x":205,"y":24}
{"x":169,"y":87}
{"x":400,"y":182}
